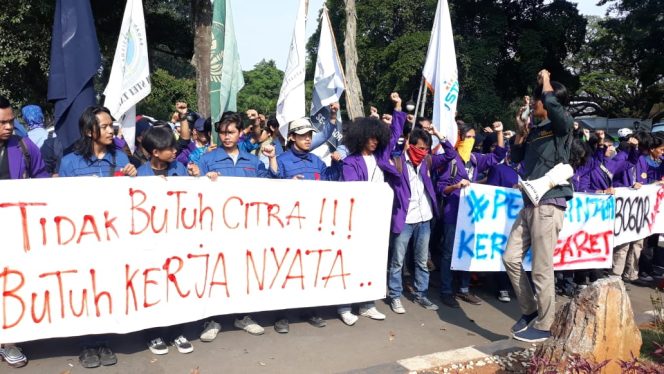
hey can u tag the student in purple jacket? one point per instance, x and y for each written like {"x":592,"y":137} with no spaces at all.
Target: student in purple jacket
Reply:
{"x":413,"y":209}
{"x":459,"y":173}
{"x":369,"y":142}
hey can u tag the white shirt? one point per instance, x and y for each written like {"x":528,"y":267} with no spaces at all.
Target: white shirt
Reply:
{"x":375,"y":173}
{"x":419,"y":206}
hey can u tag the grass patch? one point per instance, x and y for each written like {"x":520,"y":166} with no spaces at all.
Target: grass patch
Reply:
{"x":652,"y":341}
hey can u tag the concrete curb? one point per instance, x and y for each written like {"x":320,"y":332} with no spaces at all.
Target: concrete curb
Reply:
{"x":461,"y":355}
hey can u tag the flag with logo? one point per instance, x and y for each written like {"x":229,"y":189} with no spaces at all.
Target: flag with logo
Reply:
{"x":129,"y":82}
{"x":290,"y":105}
{"x":440,"y":73}
{"x":226,"y":78}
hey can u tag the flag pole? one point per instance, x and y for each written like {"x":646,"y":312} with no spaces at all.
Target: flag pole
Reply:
{"x":419,"y":96}
{"x":424,"y":99}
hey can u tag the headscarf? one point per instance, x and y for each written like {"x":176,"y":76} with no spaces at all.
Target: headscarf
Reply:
{"x":33,"y":116}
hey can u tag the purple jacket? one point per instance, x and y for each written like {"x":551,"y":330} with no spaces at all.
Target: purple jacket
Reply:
{"x":354,"y":167}
{"x":17,"y":160}
{"x":401,"y":186}
{"x":502,"y":175}
{"x":581,"y":177}
{"x":646,"y":174}
{"x":599,"y":178}
{"x":479,"y":163}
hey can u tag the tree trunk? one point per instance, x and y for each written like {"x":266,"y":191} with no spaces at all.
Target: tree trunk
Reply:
{"x":202,"y":15}
{"x":354,"y":103}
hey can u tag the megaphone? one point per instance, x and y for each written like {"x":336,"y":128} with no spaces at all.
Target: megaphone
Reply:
{"x":557,"y":176}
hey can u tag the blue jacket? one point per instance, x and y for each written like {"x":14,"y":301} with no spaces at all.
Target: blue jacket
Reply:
{"x":292,"y":163}
{"x":175,"y":169}
{"x":74,"y":165}
{"x":17,"y":160}
{"x":247,"y":165}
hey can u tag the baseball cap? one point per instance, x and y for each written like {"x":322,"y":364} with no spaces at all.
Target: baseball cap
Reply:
{"x":301,"y":126}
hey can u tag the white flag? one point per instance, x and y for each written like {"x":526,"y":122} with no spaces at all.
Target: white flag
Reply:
{"x":328,"y":78}
{"x":129,"y":82}
{"x":290,"y":105}
{"x":440,"y":73}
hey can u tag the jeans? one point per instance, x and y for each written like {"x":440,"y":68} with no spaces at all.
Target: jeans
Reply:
{"x":446,"y":274}
{"x":398,"y":246}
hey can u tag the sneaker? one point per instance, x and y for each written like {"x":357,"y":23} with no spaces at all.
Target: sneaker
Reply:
{"x":426,"y":303}
{"x":281,"y":326}
{"x":532,"y":335}
{"x":396,"y":306}
{"x":210,"y":331}
{"x":581,"y":287}
{"x":469,"y":298}
{"x":13,"y":355}
{"x":316,"y":321}
{"x":450,"y":301}
{"x":89,"y":358}
{"x":247,"y":324}
{"x":348,"y":318}
{"x":158,"y":347}
{"x":106,"y":356}
{"x":372,"y":313}
{"x":183,"y":345}
{"x":523,"y":322}
{"x":504,"y":296}
{"x":645,"y":278}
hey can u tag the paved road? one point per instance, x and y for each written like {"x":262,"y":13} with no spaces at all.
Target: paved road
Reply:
{"x":306,"y":349}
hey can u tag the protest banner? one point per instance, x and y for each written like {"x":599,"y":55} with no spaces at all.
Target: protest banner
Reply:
{"x":639,"y":213}
{"x":115,"y":255}
{"x":486,"y":216}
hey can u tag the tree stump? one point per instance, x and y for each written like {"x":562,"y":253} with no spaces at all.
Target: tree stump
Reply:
{"x":598,"y":324}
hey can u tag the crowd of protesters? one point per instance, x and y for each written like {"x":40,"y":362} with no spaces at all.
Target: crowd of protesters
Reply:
{"x":425,"y":171}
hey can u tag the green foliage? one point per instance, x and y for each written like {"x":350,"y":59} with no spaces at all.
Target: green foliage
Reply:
{"x":500,"y":48}
{"x":261,"y":88}
{"x":166,"y":89}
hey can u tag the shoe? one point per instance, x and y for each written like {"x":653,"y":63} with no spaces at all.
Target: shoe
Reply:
{"x":89,"y":358}
{"x":281,"y":326}
{"x":158,"y":347}
{"x":106,"y":356}
{"x":523,"y":322}
{"x":13,"y":355}
{"x":450,"y":301}
{"x":504,"y":296}
{"x":426,"y":303}
{"x":316,"y":321}
{"x":247,"y":324}
{"x":645,"y":278}
{"x":372,"y":313}
{"x":183,"y":345}
{"x":396,"y":306}
{"x":210,"y":331}
{"x":532,"y":335}
{"x":581,"y":287}
{"x":348,"y":318}
{"x":469,"y":298}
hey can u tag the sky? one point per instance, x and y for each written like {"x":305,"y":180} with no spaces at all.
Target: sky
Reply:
{"x":264,"y":28}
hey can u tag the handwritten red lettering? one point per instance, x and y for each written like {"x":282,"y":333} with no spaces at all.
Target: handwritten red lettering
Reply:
{"x":146,"y":282}
{"x":170,"y":277}
{"x":22,"y":207}
{"x":7,"y":293}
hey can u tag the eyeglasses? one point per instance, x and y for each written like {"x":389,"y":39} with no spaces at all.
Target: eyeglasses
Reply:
{"x":7,"y":121}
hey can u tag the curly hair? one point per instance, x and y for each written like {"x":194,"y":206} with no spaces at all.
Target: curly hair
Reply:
{"x":361,"y":130}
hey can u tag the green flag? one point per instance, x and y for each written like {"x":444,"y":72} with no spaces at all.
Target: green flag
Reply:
{"x":225,"y":72}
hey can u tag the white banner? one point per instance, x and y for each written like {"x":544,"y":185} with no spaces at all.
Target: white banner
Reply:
{"x":129,"y":81}
{"x":440,"y":73}
{"x":116,"y":255}
{"x":290,"y":105}
{"x":486,"y":216}
{"x":329,"y":77}
{"x":639,"y":213}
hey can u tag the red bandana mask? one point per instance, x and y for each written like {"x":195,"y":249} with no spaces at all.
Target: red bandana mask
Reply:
{"x":416,"y":155}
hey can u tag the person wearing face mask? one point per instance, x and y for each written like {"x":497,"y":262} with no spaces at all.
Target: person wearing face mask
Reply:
{"x":604,"y":164}
{"x":463,"y":169}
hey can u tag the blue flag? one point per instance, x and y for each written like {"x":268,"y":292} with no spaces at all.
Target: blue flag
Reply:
{"x":75,"y":59}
